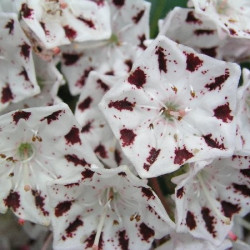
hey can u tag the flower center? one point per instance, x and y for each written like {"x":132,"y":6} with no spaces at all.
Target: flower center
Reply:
{"x":172,"y":112}
{"x":25,"y":151}
{"x":53,"y":8}
{"x":114,"y":39}
{"x":221,"y":6}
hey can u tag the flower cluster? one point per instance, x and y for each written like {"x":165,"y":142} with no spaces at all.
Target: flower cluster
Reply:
{"x":167,"y":113}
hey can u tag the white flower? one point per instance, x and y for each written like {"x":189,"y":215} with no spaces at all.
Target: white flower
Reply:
{"x":176,"y":106}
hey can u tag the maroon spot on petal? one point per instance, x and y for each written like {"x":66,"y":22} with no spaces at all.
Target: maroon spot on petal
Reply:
{"x":86,"y":128}
{"x":147,"y":192}
{"x":69,"y":32}
{"x":123,"y":174}
{"x":129,"y":63}
{"x":146,"y":232}
{"x":181,"y":155}
{"x":100,"y":149}
{"x":20,"y":115}
{"x":190,"y":220}
{"x":218,"y":81}
{"x":209,"y":221}
{"x":223,"y":113}
{"x":75,"y":160}
{"x":98,"y":2}
{"x":245,"y":172}
{"x":103,"y":85}
{"x":73,"y":227}
{"x":90,"y":241}
{"x":123,"y":240}
{"x":10,"y":26}
{"x":243,"y":189}
{"x":180,"y":192}
{"x":73,"y":136}
{"x":85,"y":104}
{"x":213,"y":143}
{"x":39,"y":202}
{"x":24,"y":74}
{"x":162,"y":61}
{"x":46,"y":32}
{"x":71,"y":185}
{"x":88,"y":22}
{"x":118,"y":3}
{"x":127,"y":137}
{"x":209,"y":51}
{"x":87,"y":173}
{"x":122,"y":105}
{"x":53,"y":117}
{"x":110,"y":73}
{"x":229,"y":209}
{"x":82,"y":80}
{"x":232,"y":32}
{"x":118,"y":157}
{"x":7,"y":95}
{"x":192,"y":19}
{"x":70,"y":58}
{"x":201,"y":32}
{"x":138,"y":16}
{"x":12,"y":200}
{"x":25,"y":50}
{"x":62,"y":207}
{"x":153,"y":154}
{"x":193,"y":62}
{"x":137,"y":78}
{"x":26,"y":12}
{"x":142,"y":38}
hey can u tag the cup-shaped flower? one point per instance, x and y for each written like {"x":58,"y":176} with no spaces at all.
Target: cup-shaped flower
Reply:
{"x":176,"y":106}
{"x":109,"y":208}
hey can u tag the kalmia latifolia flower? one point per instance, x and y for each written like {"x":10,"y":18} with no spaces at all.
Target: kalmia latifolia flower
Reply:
{"x":176,"y":106}
{"x":28,"y":160}
{"x":209,"y":195}
{"x":18,"y":77}
{"x":106,"y":209}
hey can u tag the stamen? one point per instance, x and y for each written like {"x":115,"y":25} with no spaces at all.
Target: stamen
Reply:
{"x":210,"y":200}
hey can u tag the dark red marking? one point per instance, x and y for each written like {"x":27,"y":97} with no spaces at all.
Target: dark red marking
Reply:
{"x":213,"y":143}
{"x":39,"y":201}
{"x":123,"y":174}
{"x":243,"y":189}
{"x":88,"y":22}
{"x":69,"y":32}
{"x":98,"y":2}
{"x":7,"y":95}
{"x":81,"y":82}
{"x":209,"y":221}
{"x":103,"y":85}
{"x":162,"y":61}
{"x":122,"y":105}
{"x":73,"y":227}
{"x":46,"y":32}
{"x":53,"y":117}
{"x":123,"y":240}
{"x":209,"y":51}
{"x":25,"y":50}
{"x":12,"y":200}
{"x":180,"y":192}
{"x":232,"y":32}
{"x":70,"y":59}
{"x":218,"y":81}
{"x":100,"y":149}
{"x":20,"y":115}
{"x":190,"y":220}
{"x":129,"y":63}
{"x":73,"y":136}
{"x":127,"y":137}
{"x":137,"y":78}
{"x":147,"y":192}
{"x":142,"y":38}
{"x":153,"y":154}
{"x":62,"y":207}
{"x":223,"y":113}
{"x":229,"y":209}
{"x":192,"y":19}
{"x":90,"y":241}
{"x":245,"y":172}
{"x":85,"y":104}
{"x":201,"y":32}
{"x":146,"y":232}
{"x":86,"y":128}
{"x":24,"y":74}
{"x":118,"y":157}
{"x":193,"y":62}
{"x":118,"y":3}
{"x":10,"y":26}
{"x":26,"y":12}
{"x":75,"y":160}
{"x":87,"y":173}
{"x":181,"y":155}
{"x":138,"y":16}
